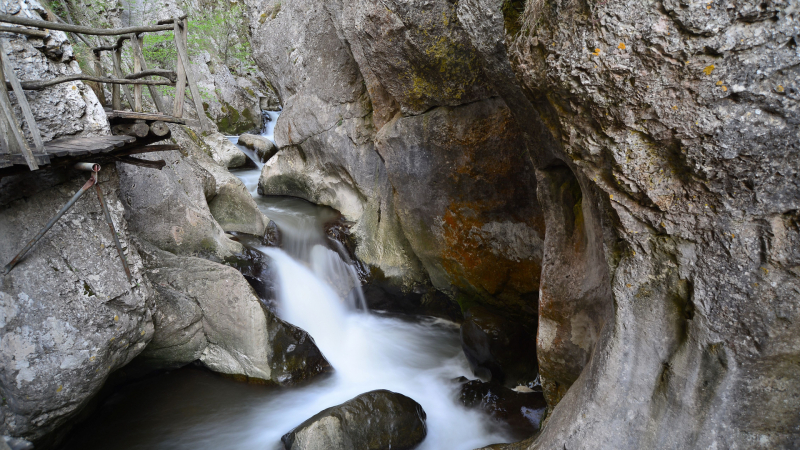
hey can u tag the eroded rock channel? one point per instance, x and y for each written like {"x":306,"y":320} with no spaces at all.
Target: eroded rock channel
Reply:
{"x":466,"y":224}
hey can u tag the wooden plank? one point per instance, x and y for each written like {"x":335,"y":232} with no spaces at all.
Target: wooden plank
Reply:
{"x":41,"y":159}
{"x":184,"y":55}
{"x":143,"y":116}
{"x":180,"y":88}
{"x":22,"y":101}
{"x":138,"y":44}
{"x":116,"y":56}
{"x":16,"y":132}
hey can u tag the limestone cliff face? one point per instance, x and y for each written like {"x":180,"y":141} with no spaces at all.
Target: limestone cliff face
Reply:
{"x":663,"y":237}
{"x":389,"y":119}
{"x":679,"y":120}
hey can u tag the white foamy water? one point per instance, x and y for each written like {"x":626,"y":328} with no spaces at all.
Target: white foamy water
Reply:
{"x":250,"y":177}
{"x":317,"y":290}
{"x":367,"y":350}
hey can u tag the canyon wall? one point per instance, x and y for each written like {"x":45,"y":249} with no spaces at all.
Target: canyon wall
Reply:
{"x":658,"y":258}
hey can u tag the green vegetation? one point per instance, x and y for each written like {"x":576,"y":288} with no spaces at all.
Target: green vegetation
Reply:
{"x":218,"y":27}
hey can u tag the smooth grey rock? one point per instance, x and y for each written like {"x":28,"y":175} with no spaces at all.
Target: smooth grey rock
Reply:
{"x":375,"y":420}
{"x":68,"y":315}
{"x":325,"y":132}
{"x":223,"y":151}
{"x":168,"y":207}
{"x":208,"y":311}
{"x":263,"y":147}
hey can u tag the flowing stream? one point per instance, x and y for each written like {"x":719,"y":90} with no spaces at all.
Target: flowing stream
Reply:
{"x":318,"y":291}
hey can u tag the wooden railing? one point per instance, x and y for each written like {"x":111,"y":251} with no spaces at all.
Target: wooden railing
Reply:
{"x":13,"y":139}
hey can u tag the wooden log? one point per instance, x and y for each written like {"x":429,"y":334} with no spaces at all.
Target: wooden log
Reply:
{"x":26,"y":31}
{"x":117,"y":58}
{"x":180,"y":88}
{"x":11,"y":121}
{"x":110,"y":48}
{"x":131,"y":129}
{"x":98,"y":70}
{"x":137,"y":67}
{"x":22,"y":101}
{"x":80,"y":29}
{"x":184,"y":55}
{"x":168,"y":74}
{"x":172,"y":20}
{"x":159,"y":128}
{"x":138,"y":44}
{"x":37,"y":85}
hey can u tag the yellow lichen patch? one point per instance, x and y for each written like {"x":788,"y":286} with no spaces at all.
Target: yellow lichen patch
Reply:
{"x":709,"y":69}
{"x":675,"y":108}
{"x":596,"y":52}
{"x":60,"y":388}
{"x":621,"y":46}
{"x":719,"y":83}
{"x":780,"y":88}
{"x":724,"y":88}
{"x":116,"y":318}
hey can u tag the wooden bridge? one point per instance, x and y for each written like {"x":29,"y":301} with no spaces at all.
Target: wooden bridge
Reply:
{"x":133,"y":130}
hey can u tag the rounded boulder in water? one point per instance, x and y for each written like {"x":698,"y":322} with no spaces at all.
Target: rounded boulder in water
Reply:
{"x":376,"y":420}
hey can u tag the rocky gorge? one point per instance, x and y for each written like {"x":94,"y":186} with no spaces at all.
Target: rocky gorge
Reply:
{"x":603,"y":194}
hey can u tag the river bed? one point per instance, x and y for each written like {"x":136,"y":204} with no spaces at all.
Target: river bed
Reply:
{"x":316,"y":290}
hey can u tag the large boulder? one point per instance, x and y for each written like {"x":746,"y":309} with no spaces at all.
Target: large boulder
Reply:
{"x":207,"y":311}
{"x":263,"y":147}
{"x":375,"y":420}
{"x":68,"y":314}
{"x":168,"y":207}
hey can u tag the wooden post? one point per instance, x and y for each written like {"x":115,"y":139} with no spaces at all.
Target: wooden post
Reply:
{"x":181,"y":43}
{"x":137,"y":67}
{"x":138,"y":44}
{"x":21,"y":99}
{"x":11,"y":122}
{"x":180,"y":88}
{"x":98,"y":70}
{"x":116,"y":56}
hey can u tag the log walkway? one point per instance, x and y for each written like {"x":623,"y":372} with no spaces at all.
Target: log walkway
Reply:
{"x":132,"y":129}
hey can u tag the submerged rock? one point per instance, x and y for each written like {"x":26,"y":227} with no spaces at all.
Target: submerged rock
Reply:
{"x":376,"y":420}
{"x":521,"y":410}
{"x":263,"y":147}
{"x":499,"y":349}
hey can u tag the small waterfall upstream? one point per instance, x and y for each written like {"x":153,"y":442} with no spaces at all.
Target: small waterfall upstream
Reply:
{"x":317,"y":290}
{"x":320,"y":292}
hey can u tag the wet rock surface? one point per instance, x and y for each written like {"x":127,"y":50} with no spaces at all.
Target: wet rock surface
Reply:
{"x":374,"y":420}
{"x":522,"y":410}
{"x":263,"y":147}
{"x":497,"y":349}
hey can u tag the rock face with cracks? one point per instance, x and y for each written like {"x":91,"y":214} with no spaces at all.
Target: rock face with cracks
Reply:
{"x":68,"y":315}
{"x":388,"y":118}
{"x":662,"y":137}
